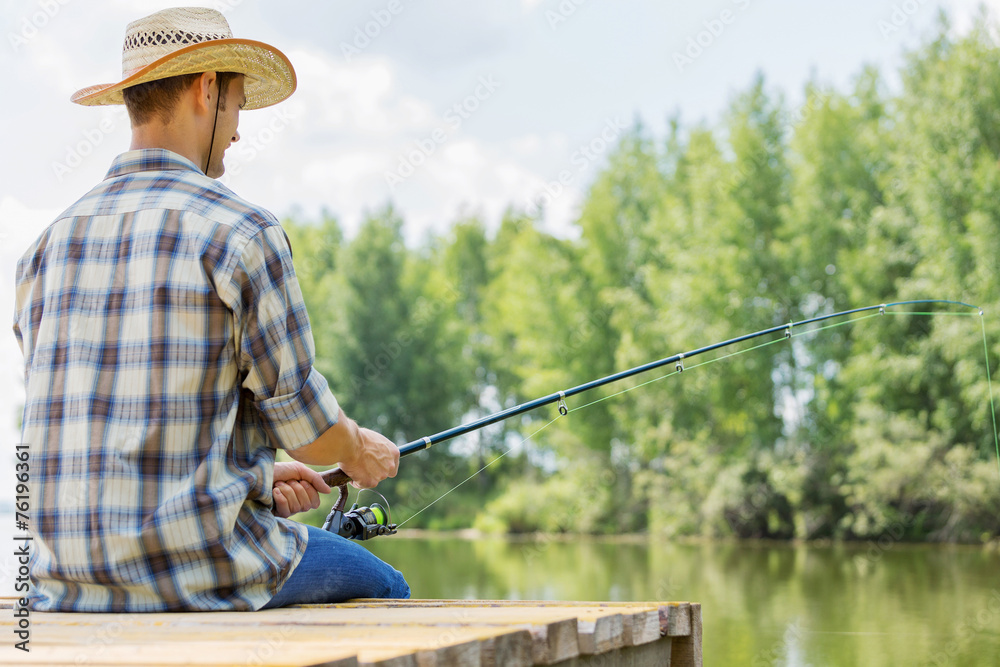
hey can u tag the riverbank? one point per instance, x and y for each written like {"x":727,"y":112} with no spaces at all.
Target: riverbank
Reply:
{"x":992,"y":546}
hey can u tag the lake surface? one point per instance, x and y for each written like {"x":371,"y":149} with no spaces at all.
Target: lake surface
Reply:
{"x":762,"y":603}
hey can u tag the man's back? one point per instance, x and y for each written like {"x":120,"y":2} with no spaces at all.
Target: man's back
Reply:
{"x":167,"y":354}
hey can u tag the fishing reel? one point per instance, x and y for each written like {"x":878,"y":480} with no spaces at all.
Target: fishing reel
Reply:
{"x":358,"y":523}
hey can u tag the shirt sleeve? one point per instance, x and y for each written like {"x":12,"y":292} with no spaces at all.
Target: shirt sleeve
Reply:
{"x":277,"y":352}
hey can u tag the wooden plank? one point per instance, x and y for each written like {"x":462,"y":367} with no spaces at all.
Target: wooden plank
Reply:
{"x":678,"y":620}
{"x":467,"y":653}
{"x":546,"y":641}
{"x":373,"y":659}
{"x":331,"y":615}
{"x":640,"y":620}
{"x":557,"y":632}
{"x":476,"y":602}
{"x":554,"y":633}
{"x":686,"y":650}
{"x":370,"y":643}
{"x":511,"y":648}
{"x":654,"y":654}
{"x":193,"y":653}
{"x":555,"y":642}
{"x":641,"y":627}
{"x":383,"y":633}
{"x":600,"y":635}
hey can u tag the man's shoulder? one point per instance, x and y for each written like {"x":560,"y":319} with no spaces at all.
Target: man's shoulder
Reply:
{"x":246,"y":218}
{"x":190,"y":194}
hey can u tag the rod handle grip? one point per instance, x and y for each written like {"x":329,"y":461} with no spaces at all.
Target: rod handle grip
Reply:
{"x":335,"y":477}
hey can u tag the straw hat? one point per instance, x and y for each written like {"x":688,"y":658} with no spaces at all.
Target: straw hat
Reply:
{"x":189,"y":40}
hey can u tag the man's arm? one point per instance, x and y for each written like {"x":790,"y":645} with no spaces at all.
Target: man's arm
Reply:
{"x":368,"y":457}
{"x":277,"y":354}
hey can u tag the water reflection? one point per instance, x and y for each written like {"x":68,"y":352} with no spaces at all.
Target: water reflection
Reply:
{"x":763,"y":604}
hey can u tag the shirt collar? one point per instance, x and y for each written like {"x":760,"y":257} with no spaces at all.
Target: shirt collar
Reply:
{"x":150,"y":159}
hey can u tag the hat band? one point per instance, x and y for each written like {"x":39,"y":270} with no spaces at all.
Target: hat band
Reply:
{"x":140,"y":40}
{"x":146,"y":47}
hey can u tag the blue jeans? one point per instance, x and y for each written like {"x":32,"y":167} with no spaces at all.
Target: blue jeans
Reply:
{"x":334,"y":569}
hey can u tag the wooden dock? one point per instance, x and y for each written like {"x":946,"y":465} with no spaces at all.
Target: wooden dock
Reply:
{"x":383,"y":633}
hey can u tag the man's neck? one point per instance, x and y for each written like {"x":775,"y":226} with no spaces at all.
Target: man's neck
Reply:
{"x":176,"y":136}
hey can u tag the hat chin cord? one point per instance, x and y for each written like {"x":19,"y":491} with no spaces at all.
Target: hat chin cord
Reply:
{"x":211,"y":143}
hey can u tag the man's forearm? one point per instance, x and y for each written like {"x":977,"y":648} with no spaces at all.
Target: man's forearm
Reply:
{"x":365,"y":456}
{"x":338,"y":444}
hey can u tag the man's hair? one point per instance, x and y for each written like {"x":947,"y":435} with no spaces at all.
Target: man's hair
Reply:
{"x":157,"y":98}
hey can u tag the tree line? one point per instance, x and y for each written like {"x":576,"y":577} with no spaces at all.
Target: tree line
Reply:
{"x":771,"y":215}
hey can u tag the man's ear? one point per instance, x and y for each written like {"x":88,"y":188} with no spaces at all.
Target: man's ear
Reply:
{"x":205,"y":92}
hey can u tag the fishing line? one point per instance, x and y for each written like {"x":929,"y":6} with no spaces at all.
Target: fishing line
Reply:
{"x":559,"y":397}
{"x":789,"y":333}
{"x":993,"y":409}
{"x":725,"y":356}
{"x":529,"y":437}
{"x":996,"y":433}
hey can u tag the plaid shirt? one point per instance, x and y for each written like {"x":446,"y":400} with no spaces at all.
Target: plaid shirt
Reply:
{"x":167,"y":354}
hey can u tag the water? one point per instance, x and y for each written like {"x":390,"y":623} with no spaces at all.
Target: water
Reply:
{"x":762,"y":604}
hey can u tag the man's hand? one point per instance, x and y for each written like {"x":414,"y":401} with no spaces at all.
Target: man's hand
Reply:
{"x":296,"y":488}
{"x":375,"y":458}
{"x":366,"y":456}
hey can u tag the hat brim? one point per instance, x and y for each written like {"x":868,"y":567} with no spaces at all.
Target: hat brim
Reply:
{"x":269,"y":76}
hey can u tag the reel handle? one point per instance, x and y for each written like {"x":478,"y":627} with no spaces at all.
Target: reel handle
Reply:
{"x":335,"y":477}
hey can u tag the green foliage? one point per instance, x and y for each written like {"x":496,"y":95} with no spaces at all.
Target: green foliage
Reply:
{"x":854,"y":198}
{"x":577,"y":498}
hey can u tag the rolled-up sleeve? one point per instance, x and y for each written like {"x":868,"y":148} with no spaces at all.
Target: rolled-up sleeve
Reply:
{"x":277,"y":352}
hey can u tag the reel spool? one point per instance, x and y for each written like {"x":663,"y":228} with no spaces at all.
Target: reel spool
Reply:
{"x":359,"y":523}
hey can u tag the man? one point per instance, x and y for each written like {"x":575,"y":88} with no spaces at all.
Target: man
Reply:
{"x":168,"y":355}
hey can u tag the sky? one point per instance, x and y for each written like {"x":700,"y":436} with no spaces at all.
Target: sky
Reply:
{"x":445,"y":108}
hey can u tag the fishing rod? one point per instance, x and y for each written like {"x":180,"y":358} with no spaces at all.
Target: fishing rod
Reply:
{"x":356,"y":524}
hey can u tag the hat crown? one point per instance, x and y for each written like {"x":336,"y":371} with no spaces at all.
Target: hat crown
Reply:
{"x":192,"y":40}
{"x":150,"y":38}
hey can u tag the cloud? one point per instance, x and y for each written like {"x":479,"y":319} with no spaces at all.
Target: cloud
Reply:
{"x":964,"y":12}
{"x":360,"y":97}
{"x":350,"y":124}
{"x":448,"y":37}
